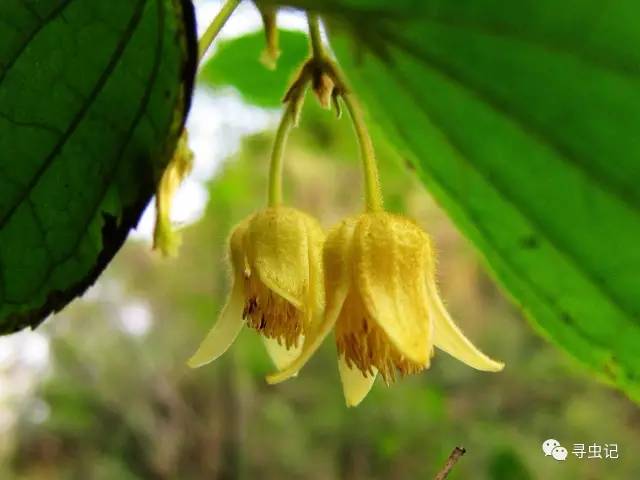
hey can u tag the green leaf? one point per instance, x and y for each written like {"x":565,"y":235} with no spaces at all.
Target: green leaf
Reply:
{"x":236,"y":63}
{"x":522,"y":119}
{"x":93,"y":94}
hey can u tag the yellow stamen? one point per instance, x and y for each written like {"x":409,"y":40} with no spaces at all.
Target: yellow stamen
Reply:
{"x":271,"y":315}
{"x":365,"y":345}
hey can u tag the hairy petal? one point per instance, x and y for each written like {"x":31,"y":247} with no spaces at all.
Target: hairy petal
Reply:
{"x":390,"y":253}
{"x":237,"y":254}
{"x":450,"y":339}
{"x":337,"y":249}
{"x":315,"y":300}
{"x":278,"y":252}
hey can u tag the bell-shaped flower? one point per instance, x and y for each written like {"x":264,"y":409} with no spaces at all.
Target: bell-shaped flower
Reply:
{"x":276,"y":258}
{"x":382,"y":299}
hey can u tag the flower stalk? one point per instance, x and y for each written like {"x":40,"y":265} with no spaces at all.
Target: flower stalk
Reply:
{"x":215,"y":26}
{"x":294,"y":100}
{"x":315,"y":37}
{"x":277,"y":156}
{"x":373,"y":193}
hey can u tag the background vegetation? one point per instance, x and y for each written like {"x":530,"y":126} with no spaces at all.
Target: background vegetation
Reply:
{"x":121,"y":404}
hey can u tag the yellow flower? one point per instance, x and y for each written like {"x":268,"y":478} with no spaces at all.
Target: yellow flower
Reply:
{"x":276,"y":258}
{"x":165,"y":239}
{"x":381,"y":296}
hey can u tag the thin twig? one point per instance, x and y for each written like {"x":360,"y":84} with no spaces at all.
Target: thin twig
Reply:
{"x":451,"y":461}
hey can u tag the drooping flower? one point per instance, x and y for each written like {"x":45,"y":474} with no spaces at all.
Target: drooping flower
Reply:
{"x":165,"y":238}
{"x":382,"y":299}
{"x":276,"y":259}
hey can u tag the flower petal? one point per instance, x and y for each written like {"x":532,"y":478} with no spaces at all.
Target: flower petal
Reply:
{"x":277,"y":249}
{"x":315,"y":299}
{"x":449,"y":338}
{"x":337,"y":250}
{"x":390,"y":253}
{"x":355,"y":384}
{"x":224,"y":332}
{"x":237,"y":254}
{"x":280,"y":354}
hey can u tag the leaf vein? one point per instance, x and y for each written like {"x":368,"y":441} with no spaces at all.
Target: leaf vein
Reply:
{"x":505,"y":259}
{"x":75,"y":122}
{"x":31,"y":35}
{"x":538,"y":226}
{"x":144,"y":102}
{"x":597,"y":177}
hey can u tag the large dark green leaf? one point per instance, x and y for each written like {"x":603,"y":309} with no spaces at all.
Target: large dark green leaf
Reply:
{"x":92,"y":96}
{"x":522,"y":119}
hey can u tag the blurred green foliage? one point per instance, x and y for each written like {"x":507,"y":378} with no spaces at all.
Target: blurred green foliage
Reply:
{"x":127,"y":407}
{"x":236,"y":62}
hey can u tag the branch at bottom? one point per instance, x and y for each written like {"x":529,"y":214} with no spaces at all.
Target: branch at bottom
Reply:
{"x":451,"y":461}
